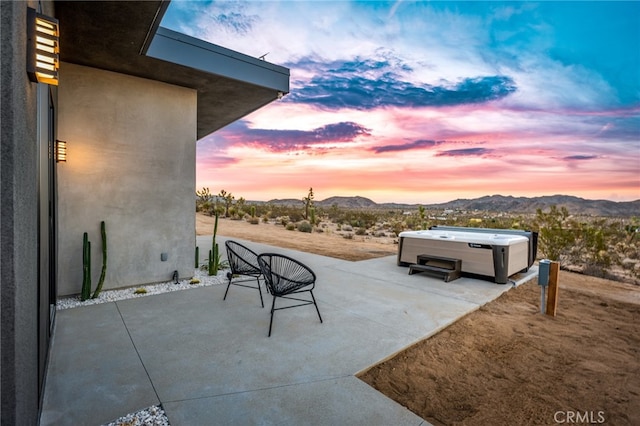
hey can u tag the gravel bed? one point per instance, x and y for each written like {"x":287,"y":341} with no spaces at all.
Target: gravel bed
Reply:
{"x":130,"y":293}
{"x":152,"y":416}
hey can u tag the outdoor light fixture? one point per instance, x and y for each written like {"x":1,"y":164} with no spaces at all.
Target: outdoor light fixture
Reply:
{"x":61,"y":151}
{"x":43,"y":48}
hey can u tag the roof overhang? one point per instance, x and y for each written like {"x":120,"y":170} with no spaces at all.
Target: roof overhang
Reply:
{"x":125,"y":37}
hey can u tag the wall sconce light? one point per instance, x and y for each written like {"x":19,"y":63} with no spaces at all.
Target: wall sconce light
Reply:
{"x":61,"y":151}
{"x":43,"y":48}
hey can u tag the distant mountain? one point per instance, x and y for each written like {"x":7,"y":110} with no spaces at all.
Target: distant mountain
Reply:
{"x":493,"y":203}
{"x":344,"y":202}
{"x":348,"y":202}
{"x":283,"y":201}
{"x":575,"y":205}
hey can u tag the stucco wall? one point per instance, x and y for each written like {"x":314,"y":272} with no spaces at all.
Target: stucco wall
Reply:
{"x":18,"y":222}
{"x":131,"y":162}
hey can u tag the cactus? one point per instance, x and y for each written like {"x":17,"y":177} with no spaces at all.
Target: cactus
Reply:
{"x":213,"y":253}
{"x":253,"y":211}
{"x":214,"y":260}
{"x":86,"y":268}
{"x":312,"y":211}
{"x":103,"y":274}
{"x":197,"y":257}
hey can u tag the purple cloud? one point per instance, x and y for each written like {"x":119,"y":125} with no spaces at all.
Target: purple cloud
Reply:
{"x":419,"y":144}
{"x":347,"y":84}
{"x":466,"y":152}
{"x":580,"y":157}
{"x":279,"y":140}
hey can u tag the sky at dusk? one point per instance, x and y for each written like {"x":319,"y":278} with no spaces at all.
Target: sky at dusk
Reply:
{"x":426,"y":102}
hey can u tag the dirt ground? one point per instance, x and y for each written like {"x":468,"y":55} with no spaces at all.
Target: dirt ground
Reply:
{"x":505,"y":364}
{"x":328,"y":243}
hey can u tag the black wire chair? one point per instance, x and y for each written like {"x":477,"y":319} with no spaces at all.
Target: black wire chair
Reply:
{"x":243,"y":262}
{"x":285,"y":277}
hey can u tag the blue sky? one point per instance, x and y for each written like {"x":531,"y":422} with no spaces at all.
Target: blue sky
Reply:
{"x":427,"y":102}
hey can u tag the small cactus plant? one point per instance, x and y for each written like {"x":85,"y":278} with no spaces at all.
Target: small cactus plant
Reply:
{"x":85,"y":293}
{"x":86,"y":268}
{"x":213,"y":253}
{"x":103,"y":232}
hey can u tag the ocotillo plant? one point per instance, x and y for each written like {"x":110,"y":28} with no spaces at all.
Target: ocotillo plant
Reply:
{"x":103,"y":274}
{"x":86,"y":268}
{"x":213,"y":253}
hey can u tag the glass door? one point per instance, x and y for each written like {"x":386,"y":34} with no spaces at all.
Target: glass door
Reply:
{"x":46,"y":225}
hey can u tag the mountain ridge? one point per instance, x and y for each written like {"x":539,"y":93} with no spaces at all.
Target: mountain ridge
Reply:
{"x":495,"y":203}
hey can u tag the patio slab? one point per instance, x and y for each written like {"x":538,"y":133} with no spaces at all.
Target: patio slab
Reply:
{"x":339,"y":401}
{"x":209,"y":361}
{"x":94,"y":369}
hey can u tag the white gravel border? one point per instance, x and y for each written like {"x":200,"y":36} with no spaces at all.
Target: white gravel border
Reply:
{"x":152,"y":416}
{"x":151,"y":289}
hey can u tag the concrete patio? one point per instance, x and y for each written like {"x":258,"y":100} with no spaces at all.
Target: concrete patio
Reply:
{"x":210,"y":362}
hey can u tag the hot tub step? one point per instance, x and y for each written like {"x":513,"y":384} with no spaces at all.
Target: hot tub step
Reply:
{"x":447,"y":268}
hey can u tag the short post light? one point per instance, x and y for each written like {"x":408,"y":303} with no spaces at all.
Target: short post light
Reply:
{"x":43,"y":48}
{"x":61,"y":151}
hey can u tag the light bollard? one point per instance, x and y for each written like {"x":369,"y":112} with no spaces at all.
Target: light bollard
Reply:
{"x":543,"y":281}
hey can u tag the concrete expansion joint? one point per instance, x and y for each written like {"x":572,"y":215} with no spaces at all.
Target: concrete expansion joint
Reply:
{"x":133,"y":343}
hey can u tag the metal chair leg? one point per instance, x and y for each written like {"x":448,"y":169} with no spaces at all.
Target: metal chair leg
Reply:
{"x":316,"y":305}
{"x":260,"y":290}
{"x":273,"y":306}
{"x":228,"y":285}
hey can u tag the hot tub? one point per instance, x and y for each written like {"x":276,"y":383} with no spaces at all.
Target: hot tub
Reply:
{"x":531,"y":235}
{"x":497,"y":256}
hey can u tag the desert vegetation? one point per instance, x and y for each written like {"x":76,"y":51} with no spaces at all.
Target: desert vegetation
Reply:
{"x":606,"y":247}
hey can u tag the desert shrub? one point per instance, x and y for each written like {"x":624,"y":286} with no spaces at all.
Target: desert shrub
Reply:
{"x":348,"y":236}
{"x":346,"y":228}
{"x":380,"y":234}
{"x":555,"y":237}
{"x":411,"y":222}
{"x":296,"y":216}
{"x":290,"y":226}
{"x":305,"y":226}
{"x":253,"y":220}
{"x":361,"y":231}
{"x":628,"y":264}
{"x":284,"y":220}
{"x":318,"y":230}
{"x":398,"y":227}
